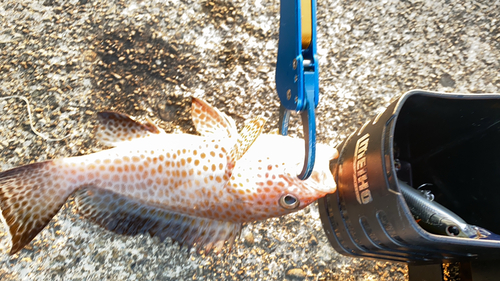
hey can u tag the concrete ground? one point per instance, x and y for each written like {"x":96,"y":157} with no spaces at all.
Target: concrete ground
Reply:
{"x":74,"y":58}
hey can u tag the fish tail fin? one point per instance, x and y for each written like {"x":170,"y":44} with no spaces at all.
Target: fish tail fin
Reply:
{"x":30,"y":196}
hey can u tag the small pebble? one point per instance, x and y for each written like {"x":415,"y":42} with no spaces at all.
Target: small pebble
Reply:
{"x":249,"y":239}
{"x":296,"y":274}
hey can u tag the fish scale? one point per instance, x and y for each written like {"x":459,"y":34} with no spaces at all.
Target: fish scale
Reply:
{"x":195,"y":189}
{"x":158,"y":175}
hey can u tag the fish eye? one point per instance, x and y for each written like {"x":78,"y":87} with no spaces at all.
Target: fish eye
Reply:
{"x":289,"y":202}
{"x":452,"y":230}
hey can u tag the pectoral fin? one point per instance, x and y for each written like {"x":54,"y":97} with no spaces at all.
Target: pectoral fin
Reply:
{"x":248,"y":135}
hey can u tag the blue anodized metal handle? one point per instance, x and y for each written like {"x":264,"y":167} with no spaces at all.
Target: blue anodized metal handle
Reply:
{"x":297,"y":79}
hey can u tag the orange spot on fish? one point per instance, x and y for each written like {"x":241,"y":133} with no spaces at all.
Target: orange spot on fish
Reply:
{"x":203,"y":155}
{"x":136,"y":159}
{"x":117,"y":161}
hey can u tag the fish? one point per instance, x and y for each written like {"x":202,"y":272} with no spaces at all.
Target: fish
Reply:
{"x":196,"y":189}
{"x":434,"y":217}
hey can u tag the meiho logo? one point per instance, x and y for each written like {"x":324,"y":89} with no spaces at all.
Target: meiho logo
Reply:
{"x":361,"y":185}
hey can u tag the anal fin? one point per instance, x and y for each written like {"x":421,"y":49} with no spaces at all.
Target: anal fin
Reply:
{"x":117,"y":127}
{"x":128,"y":216}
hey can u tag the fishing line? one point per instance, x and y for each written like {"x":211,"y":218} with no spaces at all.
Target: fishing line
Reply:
{"x":31,"y":119}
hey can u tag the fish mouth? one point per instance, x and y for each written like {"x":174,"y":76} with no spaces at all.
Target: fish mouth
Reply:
{"x":326,"y":189}
{"x":323,"y":182}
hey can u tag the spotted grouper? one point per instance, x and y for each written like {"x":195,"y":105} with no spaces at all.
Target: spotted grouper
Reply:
{"x":195,"y":189}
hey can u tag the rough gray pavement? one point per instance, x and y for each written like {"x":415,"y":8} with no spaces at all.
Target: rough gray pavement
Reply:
{"x":74,"y":58}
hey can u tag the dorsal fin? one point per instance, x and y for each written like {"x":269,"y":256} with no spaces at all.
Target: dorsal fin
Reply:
{"x":248,"y":135}
{"x":209,"y":120}
{"x":128,"y":216}
{"x":116,"y":128}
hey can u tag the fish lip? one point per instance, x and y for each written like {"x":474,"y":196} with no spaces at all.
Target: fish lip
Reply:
{"x":326,"y":189}
{"x":325,"y":185}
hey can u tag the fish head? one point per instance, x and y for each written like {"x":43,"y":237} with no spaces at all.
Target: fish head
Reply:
{"x":267,"y":184}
